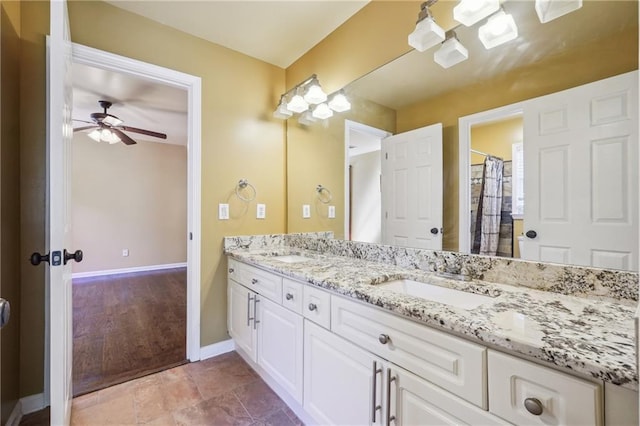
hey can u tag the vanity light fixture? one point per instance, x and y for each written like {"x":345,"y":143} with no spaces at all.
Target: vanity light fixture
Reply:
{"x":548,"y":10}
{"x":499,"y":29}
{"x":307,"y":118}
{"x":451,"y":51}
{"x":427,"y":33}
{"x":297,"y":102}
{"x":468,"y":12}
{"x":314,"y":94}
{"x":339,"y":102}
{"x":322,"y":111}
{"x":282,"y":111}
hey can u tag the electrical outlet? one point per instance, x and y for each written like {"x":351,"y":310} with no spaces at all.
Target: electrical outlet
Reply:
{"x":261,"y":211}
{"x":223,"y":211}
{"x":306,"y":211}
{"x":125,"y":252}
{"x":332,"y":212}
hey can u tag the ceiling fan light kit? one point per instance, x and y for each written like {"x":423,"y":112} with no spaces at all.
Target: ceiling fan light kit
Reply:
{"x":309,"y":92}
{"x":500,"y":27}
{"x":109,"y":128}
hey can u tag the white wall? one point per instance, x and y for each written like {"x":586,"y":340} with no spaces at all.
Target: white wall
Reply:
{"x":366,"y":200}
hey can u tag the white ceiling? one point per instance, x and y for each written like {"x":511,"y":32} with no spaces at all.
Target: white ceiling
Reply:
{"x":277,"y":32}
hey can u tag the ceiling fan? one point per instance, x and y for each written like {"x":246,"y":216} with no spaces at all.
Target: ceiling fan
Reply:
{"x":109,"y":128}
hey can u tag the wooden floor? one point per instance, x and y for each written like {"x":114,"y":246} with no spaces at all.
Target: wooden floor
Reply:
{"x":126,"y":326}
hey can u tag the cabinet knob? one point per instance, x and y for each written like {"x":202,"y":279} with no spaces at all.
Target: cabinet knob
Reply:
{"x":534,"y":406}
{"x":254,"y":281}
{"x":231,"y":270}
{"x":289,"y":296}
{"x":313,"y":307}
{"x":384,"y":339}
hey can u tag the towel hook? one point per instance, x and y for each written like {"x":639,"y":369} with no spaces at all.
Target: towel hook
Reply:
{"x":326,"y":198}
{"x":242,"y":184}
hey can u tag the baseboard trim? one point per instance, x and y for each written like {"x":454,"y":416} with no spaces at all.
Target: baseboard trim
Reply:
{"x":128,"y":270}
{"x":27,"y":405}
{"x":16,"y":415}
{"x":217,"y":349}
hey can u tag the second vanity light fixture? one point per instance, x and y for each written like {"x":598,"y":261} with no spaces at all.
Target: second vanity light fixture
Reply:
{"x":310,"y":101}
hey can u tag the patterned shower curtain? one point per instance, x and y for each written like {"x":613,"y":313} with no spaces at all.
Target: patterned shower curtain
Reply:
{"x":490,"y":206}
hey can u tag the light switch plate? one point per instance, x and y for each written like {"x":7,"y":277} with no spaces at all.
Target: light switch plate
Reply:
{"x":332,"y":212}
{"x":223,"y":211}
{"x":261,"y":211}
{"x":306,"y":211}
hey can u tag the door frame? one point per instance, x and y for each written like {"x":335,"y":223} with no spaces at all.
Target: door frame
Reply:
{"x":193,"y":85}
{"x":464,"y":163}
{"x":350,"y":125}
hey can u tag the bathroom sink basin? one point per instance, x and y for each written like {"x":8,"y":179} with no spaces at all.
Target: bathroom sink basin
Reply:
{"x":435,"y":293}
{"x":291,"y":258}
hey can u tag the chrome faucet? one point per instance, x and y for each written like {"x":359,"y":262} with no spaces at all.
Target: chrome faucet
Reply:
{"x":454,"y":270}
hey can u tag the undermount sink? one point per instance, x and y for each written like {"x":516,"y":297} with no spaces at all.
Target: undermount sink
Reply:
{"x":291,"y":258}
{"x":436,"y":293}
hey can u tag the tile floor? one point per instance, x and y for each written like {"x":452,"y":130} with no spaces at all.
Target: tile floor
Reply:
{"x":219,"y":391}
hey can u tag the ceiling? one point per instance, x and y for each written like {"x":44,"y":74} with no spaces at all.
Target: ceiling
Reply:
{"x":421,"y":78}
{"x":277,"y":32}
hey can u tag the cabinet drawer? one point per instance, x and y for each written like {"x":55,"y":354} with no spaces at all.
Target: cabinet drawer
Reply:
{"x":316,"y":305}
{"x":262,"y":282}
{"x":292,"y":295}
{"x":562,"y":399}
{"x":447,"y":361}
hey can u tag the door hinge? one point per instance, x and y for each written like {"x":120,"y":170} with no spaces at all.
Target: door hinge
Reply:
{"x":190,"y":236}
{"x":386,"y":215}
{"x":386,"y":155}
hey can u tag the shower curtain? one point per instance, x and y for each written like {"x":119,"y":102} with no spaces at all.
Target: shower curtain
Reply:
{"x":489,"y":207}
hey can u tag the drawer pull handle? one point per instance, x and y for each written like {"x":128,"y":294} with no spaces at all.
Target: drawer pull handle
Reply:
{"x":231,"y":270}
{"x":289,"y":296}
{"x":384,"y":339}
{"x":313,"y":307}
{"x":390,"y":379}
{"x":374,"y":400}
{"x":534,"y":406}
{"x":254,"y":281}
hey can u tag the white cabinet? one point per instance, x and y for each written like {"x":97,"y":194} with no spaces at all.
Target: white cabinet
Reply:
{"x":241,"y":318}
{"x":316,"y":305}
{"x":292,"y":295}
{"x":526,"y":393}
{"x":280,"y":344}
{"x":339,"y":380}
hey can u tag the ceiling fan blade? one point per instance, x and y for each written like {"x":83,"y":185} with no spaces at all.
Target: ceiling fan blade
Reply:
{"x":82,"y":121}
{"x":123,"y":137}
{"x":143,"y":132}
{"x":78,"y":129}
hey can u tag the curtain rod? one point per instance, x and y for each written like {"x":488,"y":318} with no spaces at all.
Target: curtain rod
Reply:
{"x":475,"y":151}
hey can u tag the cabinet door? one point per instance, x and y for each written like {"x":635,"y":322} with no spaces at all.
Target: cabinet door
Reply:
{"x":280,"y":344}
{"x":241,"y":318}
{"x":339,"y":380}
{"x":414,"y":401}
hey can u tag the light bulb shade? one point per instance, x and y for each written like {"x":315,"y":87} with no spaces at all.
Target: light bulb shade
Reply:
{"x":95,"y":135}
{"x":450,"y":53}
{"x":282,"y":111}
{"x":112,"y":120}
{"x":468,"y":12}
{"x":339,"y":103}
{"x":499,"y":29}
{"x":297,"y":104}
{"x":306,"y":118}
{"x":322,"y":111}
{"x":548,"y":10}
{"x":113,"y":138}
{"x":427,"y":34}
{"x":314,"y":94}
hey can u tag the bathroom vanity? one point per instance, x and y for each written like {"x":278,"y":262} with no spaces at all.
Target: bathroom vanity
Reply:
{"x":355,"y":333}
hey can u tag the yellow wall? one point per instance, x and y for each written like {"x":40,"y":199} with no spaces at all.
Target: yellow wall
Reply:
{"x":496,"y":139}
{"x":132,"y":197}
{"x":316,"y":155}
{"x":593,"y":62}
{"x":10,"y":201}
{"x":518,"y":229}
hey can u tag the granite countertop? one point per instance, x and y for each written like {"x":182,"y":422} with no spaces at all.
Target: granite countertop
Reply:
{"x":589,"y":336}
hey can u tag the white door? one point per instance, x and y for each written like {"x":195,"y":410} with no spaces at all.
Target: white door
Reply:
{"x":59,"y":220}
{"x":241,"y":318}
{"x":339,"y":380}
{"x":280,"y":344}
{"x":581,"y":175}
{"x":412,"y":188}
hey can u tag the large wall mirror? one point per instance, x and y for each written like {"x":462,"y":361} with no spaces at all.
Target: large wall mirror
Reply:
{"x":345,"y":152}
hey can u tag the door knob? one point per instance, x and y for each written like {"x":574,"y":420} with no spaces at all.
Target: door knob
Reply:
{"x":5,"y":312}
{"x":37,"y":258}
{"x":434,"y":231}
{"x":77,"y":256}
{"x":531,"y":234}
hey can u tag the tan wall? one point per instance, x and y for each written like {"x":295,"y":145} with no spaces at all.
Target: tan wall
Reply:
{"x":581,"y":66}
{"x":316,"y":155}
{"x":496,"y":139}
{"x":34,"y":26}
{"x":518,"y":229}
{"x":132,"y":197}
{"x":10,"y":202}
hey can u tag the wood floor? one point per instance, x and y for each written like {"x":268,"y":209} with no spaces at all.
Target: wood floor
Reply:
{"x":127,"y":326}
